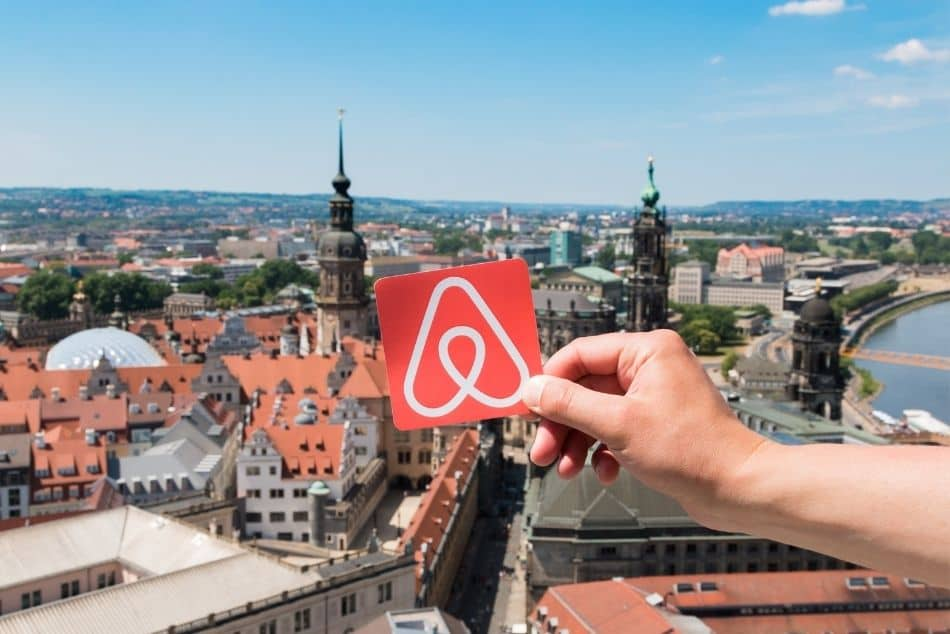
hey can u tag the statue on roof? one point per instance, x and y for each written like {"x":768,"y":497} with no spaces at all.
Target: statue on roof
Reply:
{"x":650,"y":195}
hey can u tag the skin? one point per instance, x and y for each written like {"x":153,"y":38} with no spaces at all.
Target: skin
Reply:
{"x":654,"y":412}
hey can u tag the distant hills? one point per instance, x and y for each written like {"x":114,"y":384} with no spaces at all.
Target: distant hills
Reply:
{"x":92,"y":200}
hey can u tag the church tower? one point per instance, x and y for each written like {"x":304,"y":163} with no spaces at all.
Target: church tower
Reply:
{"x":815,"y":381}
{"x":646,"y":305}
{"x":341,"y":300}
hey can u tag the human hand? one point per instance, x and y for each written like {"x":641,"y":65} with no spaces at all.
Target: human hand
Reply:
{"x":647,"y":399}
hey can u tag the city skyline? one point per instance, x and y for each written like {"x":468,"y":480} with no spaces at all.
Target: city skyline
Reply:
{"x":484,"y":104}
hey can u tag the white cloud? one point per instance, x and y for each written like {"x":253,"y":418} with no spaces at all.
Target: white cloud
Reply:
{"x":813,"y":7}
{"x":847,"y":70}
{"x":715,"y":60}
{"x":893,"y":102}
{"x":914,"y":51}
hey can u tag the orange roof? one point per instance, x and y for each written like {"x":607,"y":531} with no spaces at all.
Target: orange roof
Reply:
{"x":309,"y":451}
{"x":262,"y":371}
{"x":99,"y":412}
{"x":68,"y":459}
{"x":751,"y":253}
{"x":10,"y":269}
{"x":20,"y":414}
{"x":604,"y":607}
{"x":429,"y":523}
{"x":19,"y":382}
{"x":20,"y":356}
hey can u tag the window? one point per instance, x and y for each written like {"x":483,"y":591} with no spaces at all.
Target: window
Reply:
{"x":13,"y":496}
{"x":37,"y":598}
{"x":360,"y":451}
{"x":276,"y":493}
{"x":732,"y":548}
{"x":300,"y":516}
{"x":404,"y":457}
{"x":670,"y":549}
{"x":64,"y":591}
{"x":25,"y":601}
{"x":285,"y":537}
{"x":268,"y":627}
{"x":302,"y":620}
{"x":300,"y":493}
{"x":278,"y":516}
{"x":253,"y":471}
{"x":101,"y":580}
{"x":608,"y":551}
{"x":384,"y":592}
{"x":401,"y":436}
{"x":425,"y":457}
{"x":252,"y":517}
{"x":273,"y":470}
{"x":426,"y":435}
{"x":348,"y":604}
{"x":253,"y":493}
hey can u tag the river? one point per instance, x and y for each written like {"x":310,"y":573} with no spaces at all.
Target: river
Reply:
{"x":923,"y":331}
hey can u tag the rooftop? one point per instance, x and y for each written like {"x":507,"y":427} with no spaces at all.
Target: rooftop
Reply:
{"x":597,"y":274}
{"x":85,"y":348}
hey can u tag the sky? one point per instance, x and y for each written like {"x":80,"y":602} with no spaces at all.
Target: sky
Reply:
{"x":505,"y":101}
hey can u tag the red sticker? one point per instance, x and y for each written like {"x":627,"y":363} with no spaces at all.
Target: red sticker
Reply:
{"x":460,"y":342}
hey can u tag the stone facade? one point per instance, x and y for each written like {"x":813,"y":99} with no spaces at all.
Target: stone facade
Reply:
{"x":816,"y":381}
{"x":646,"y":308}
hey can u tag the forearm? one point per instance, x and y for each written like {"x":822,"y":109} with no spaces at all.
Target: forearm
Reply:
{"x":886,"y":508}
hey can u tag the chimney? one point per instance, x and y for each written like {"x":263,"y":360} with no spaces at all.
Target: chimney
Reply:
{"x":40,"y":439}
{"x":458,"y":485}
{"x":110,"y":391}
{"x":54,"y":394}
{"x":91,"y":437}
{"x":83,"y":392}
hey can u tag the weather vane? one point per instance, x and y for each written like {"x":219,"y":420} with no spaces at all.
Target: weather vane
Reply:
{"x":340,"y":112}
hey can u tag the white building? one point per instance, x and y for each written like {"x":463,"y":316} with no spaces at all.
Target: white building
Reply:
{"x":294,"y":466}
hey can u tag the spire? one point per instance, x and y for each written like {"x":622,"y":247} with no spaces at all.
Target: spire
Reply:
{"x":341,"y":183}
{"x":650,"y":195}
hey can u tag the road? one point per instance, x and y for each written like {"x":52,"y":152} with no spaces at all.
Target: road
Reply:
{"x":492,"y":593}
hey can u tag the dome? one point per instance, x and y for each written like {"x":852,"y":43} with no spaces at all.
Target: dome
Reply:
{"x":84,"y":348}
{"x":817,"y":310}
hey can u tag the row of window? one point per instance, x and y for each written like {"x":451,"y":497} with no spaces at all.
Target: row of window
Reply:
{"x":255,"y":470}
{"x":277,"y":516}
{"x":425,"y":435}
{"x":712,"y":548}
{"x":405,"y":456}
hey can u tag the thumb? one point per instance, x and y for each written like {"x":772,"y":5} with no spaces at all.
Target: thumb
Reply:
{"x":599,"y":415}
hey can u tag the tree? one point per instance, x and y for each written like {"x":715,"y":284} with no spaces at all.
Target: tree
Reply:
{"x":135,"y":291}
{"x":607,"y":256}
{"x":879,"y":241}
{"x":700,"y":337}
{"x":125,"y":257}
{"x":761,"y":309}
{"x":728,"y":363}
{"x":208,"y":270}
{"x":46,"y":295}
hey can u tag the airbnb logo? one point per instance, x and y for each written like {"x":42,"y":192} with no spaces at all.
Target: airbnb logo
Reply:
{"x":437,"y":324}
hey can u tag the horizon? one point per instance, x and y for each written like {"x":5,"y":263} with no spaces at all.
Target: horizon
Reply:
{"x":827,"y":100}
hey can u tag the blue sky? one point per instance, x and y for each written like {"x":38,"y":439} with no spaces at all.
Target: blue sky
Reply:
{"x":533,"y":101}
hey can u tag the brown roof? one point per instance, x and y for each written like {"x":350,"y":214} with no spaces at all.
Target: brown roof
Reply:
{"x":309,"y":450}
{"x":429,"y":523}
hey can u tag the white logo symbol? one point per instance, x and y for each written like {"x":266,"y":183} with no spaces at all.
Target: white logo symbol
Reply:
{"x":466,"y":384}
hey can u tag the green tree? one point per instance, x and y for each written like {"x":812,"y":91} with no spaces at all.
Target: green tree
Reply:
{"x":125,"y":257}
{"x":699,"y":336}
{"x":207,"y":270}
{"x":728,"y":363}
{"x":607,"y":256}
{"x":879,"y":241}
{"x":135,"y":291}
{"x":46,"y":295}
{"x":761,"y":309}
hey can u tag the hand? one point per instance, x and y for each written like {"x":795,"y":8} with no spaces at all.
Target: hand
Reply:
{"x":647,"y":399}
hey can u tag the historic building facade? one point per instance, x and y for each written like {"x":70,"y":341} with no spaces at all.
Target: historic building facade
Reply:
{"x":646,"y":308}
{"x":816,"y":381}
{"x":342,"y":301}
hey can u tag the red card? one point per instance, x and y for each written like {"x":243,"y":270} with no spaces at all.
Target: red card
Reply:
{"x":460,"y":342}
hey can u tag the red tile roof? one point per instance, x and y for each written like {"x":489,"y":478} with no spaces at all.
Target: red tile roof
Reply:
{"x":18,"y":382}
{"x":604,"y":607}
{"x":66,"y":449}
{"x":428,"y":524}
{"x":309,"y":451}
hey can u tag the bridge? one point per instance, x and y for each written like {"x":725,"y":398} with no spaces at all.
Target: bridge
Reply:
{"x":900,"y":358}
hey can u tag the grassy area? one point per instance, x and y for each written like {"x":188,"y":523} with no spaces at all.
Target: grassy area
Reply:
{"x":869,"y":385}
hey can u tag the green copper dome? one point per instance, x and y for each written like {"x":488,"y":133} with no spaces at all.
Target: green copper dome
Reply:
{"x":650,"y":195}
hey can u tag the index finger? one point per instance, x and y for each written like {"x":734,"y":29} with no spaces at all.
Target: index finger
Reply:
{"x":598,"y":355}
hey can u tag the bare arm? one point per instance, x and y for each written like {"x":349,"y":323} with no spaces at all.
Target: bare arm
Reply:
{"x":649,"y":402}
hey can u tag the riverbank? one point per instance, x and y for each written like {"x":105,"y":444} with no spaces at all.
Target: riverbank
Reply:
{"x":888,"y":316}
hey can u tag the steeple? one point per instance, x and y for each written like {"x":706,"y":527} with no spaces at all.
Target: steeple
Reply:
{"x":650,"y":195}
{"x":341,"y":205}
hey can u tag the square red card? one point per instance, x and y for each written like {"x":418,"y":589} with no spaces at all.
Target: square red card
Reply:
{"x":460,"y":342}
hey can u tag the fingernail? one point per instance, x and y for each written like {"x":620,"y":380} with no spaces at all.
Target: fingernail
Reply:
{"x":531,"y":393}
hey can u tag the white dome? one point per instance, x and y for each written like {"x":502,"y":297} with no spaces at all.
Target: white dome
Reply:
{"x":84,"y":348}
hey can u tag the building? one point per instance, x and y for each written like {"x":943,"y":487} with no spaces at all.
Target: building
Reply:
{"x":341,"y":252}
{"x":647,"y":295}
{"x":297,"y":470}
{"x":765,"y":603}
{"x":565,"y":246}
{"x":418,"y":620}
{"x":760,"y":376}
{"x":758,"y":264}
{"x":247,"y":249}
{"x":816,"y":381}
{"x":97,"y":571}
{"x":438,"y":533}
{"x":15,"y":463}
{"x":563,"y":316}
{"x":693,"y":284}
{"x":590,"y":281}
{"x":178,"y":305}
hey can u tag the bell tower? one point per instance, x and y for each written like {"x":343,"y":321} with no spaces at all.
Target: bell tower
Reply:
{"x":341,"y":300}
{"x":647,"y":298}
{"x":815,"y":381}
